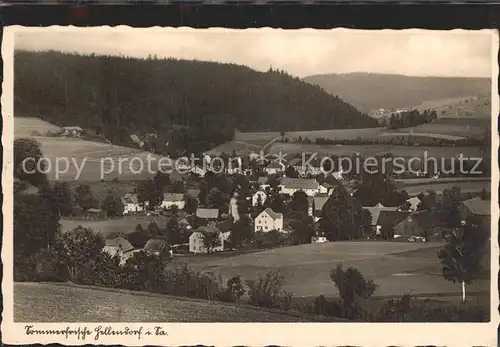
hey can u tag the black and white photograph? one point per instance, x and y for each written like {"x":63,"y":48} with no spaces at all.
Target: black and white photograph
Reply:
{"x":178,"y":175}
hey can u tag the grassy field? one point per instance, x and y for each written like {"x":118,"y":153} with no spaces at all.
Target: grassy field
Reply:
{"x":306,"y":268}
{"x":43,"y":302}
{"x":465,"y":187}
{"x":114,"y":226}
{"x":25,"y":126}
{"x":293,"y":149}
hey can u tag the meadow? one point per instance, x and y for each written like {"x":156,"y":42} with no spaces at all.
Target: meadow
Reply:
{"x":296,"y":149}
{"x":71,"y":303}
{"x":397,"y":268}
{"x":122,"y":225}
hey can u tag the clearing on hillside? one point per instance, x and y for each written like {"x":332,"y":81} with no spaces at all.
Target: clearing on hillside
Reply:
{"x":28,"y":126}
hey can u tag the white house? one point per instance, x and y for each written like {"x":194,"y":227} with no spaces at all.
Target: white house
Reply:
{"x":259,"y":197}
{"x":72,"y":131}
{"x":268,"y":220}
{"x":196,"y":240}
{"x":262,"y":181}
{"x":291,"y":185}
{"x":274,"y":168}
{"x":119,"y":247}
{"x":131,"y":204}
{"x":233,"y":207}
{"x":414,"y":202}
{"x":173,"y":199}
{"x":207,"y":213}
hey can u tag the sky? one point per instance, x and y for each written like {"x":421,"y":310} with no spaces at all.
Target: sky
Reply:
{"x":301,"y":53}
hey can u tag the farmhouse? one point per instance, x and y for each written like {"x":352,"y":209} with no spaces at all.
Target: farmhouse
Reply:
{"x":207,"y":213}
{"x":119,"y":247}
{"x":72,"y":131}
{"x":259,"y":198}
{"x":268,"y":220}
{"x":196,"y":240}
{"x":158,"y":247}
{"x":131,"y":204}
{"x":290,"y":186}
{"x":173,"y":199}
{"x":274,"y":168}
{"x":422,"y":224}
{"x":383,"y":219}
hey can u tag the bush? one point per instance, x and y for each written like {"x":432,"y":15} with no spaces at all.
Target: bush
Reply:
{"x":233,"y":292}
{"x":49,"y":267}
{"x":324,"y":307}
{"x":265,"y":291}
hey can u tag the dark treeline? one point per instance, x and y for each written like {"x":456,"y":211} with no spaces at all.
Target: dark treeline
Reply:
{"x":410,"y":119}
{"x":189,"y":103}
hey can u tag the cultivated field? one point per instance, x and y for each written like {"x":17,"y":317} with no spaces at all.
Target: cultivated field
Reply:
{"x":69,"y":303}
{"x":110,"y":227}
{"x":306,"y":268}
{"x":121,"y":162}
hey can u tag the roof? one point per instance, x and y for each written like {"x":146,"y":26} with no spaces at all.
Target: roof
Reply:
{"x":414,"y":202}
{"x":299,"y":183}
{"x":130,"y":198}
{"x":135,"y":138}
{"x":155,"y":245}
{"x":262,"y":180}
{"x":173,"y":197}
{"x":294,"y":162}
{"x":259,"y":191}
{"x":328,"y":185}
{"x":478,"y":206}
{"x":207,"y":213}
{"x":319,"y":202}
{"x":375,"y":212}
{"x":94,"y":210}
{"x":119,"y":242}
{"x":208,"y":229}
{"x":274,"y":215}
{"x":425,"y":219}
{"x":193,"y":193}
{"x":73,"y":127}
{"x":390,"y":217}
{"x":225,"y":226}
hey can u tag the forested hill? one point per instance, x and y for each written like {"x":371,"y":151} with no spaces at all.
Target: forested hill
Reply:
{"x":368,"y":91}
{"x":119,"y":96}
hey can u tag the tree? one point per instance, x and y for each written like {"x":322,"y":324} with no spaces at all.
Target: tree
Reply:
{"x":461,"y":257}
{"x":291,"y":172}
{"x":148,"y":191}
{"x":36,"y":224}
{"x":351,"y":285}
{"x":153,"y":229}
{"x":63,"y":198}
{"x":112,"y":204}
{"x":242,"y":232}
{"x":299,"y":203}
{"x":265,"y":291}
{"x":211,"y":240}
{"x":191,"y":204}
{"x":450,"y":214}
{"x":79,"y":249}
{"x":84,"y":198}
{"x":302,"y":229}
{"x":31,"y":170}
{"x":341,"y":218}
{"x":173,"y":231}
{"x":216,"y":199}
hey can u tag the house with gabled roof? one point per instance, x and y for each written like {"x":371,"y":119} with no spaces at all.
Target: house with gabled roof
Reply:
{"x":259,"y":197}
{"x":158,"y":247}
{"x":474,"y":207}
{"x":173,"y":199}
{"x":196,"y":240}
{"x":72,"y":131}
{"x":290,"y":186}
{"x":274,"y":168}
{"x":422,"y":224}
{"x":384,"y":217}
{"x":119,"y":247}
{"x":131,"y":204}
{"x":268,"y":220}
